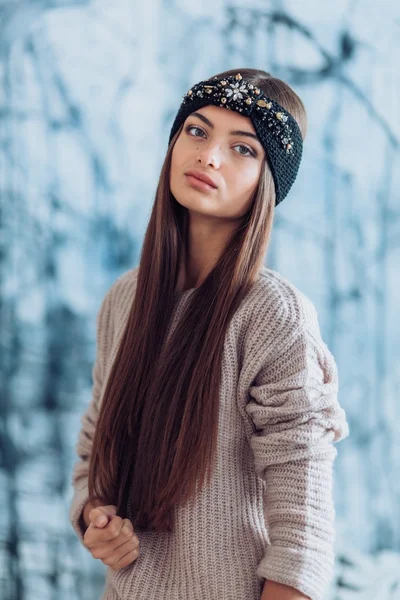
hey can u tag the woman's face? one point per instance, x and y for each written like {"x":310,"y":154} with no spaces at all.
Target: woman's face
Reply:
{"x":222,"y":144}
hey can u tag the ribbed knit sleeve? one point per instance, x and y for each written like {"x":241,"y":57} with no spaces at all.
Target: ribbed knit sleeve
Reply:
{"x":296,"y":415}
{"x":89,"y":418}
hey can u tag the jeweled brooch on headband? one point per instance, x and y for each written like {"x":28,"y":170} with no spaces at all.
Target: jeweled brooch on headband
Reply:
{"x":234,"y":94}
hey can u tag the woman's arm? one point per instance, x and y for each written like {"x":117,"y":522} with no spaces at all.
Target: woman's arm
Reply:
{"x":79,"y":509}
{"x":277,"y":591}
{"x":296,"y":415}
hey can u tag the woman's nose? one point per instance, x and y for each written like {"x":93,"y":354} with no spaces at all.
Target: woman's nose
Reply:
{"x":210,"y":155}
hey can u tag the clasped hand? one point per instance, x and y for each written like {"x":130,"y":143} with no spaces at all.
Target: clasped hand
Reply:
{"x":110,"y":538}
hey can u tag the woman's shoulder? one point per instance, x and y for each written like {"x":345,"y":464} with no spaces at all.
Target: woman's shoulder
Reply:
{"x":272,"y":291}
{"x":126,"y":279}
{"x":122,"y":288}
{"x":277,"y":289}
{"x":279,"y":309}
{"x":118,"y":298}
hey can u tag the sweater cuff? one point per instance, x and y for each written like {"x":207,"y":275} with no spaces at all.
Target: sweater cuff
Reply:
{"x":79,"y":501}
{"x":304,"y":572}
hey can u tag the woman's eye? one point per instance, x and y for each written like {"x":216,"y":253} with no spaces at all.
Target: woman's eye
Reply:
{"x":194,"y":127}
{"x":250,"y":152}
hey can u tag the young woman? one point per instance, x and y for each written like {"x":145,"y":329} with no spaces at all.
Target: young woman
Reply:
{"x":206,"y":453}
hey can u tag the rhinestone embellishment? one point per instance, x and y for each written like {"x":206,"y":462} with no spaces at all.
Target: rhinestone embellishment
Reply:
{"x":234,"y":93}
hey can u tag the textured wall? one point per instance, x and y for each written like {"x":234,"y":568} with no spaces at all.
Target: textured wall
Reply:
{"x":88,"y":92}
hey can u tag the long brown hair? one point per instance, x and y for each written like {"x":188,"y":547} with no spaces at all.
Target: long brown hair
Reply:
{"x":156,"y":434}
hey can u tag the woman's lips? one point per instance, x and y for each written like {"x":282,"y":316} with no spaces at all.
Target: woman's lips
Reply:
{"x":199,"y":183}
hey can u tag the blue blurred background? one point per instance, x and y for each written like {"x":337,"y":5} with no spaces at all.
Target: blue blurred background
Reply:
{"x":88,"y":92}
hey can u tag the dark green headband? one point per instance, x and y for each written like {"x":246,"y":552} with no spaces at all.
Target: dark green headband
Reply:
{"x":276,"y":129}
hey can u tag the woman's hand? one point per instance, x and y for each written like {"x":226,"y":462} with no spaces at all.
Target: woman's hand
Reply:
{"x":110,"y":538}
{"x":278,"y":591}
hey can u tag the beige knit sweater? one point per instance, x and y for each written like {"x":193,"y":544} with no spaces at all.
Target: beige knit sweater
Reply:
{"x":269,"y":511}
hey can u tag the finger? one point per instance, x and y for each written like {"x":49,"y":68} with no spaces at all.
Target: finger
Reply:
{"x":127,"y":534}
{"x":105,"y":551}
{"x":107,"y":546}
{"x":112,"y":557}
{"x":99,"y":511}
{"x":113,"y":529}
{"x":100,"y":549}
{"x":125,"y":560}
{"x":99,"y":515}
{"x":99,"y":535}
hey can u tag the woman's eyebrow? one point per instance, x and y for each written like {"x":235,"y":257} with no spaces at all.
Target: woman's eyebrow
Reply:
{"x":234,"y":132}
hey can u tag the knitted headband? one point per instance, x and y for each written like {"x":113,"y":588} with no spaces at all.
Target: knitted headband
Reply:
{"x":276,"y":129}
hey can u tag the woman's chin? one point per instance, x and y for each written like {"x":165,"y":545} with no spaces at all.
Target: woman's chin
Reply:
{"x":192,"y":198}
